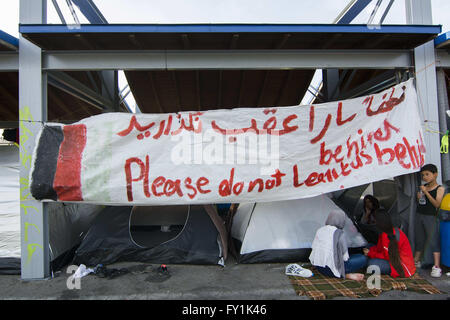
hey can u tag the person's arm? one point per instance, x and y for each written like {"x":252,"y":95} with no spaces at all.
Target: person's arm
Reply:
{"x":378,"y":252}
{"x":439,"y":195}
{"x":364,"y":218}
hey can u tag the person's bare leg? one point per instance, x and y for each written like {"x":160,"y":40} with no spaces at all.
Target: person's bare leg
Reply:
{"x":355,"y":276}
{"x":437,"y":259}
{"x":417,"y":256}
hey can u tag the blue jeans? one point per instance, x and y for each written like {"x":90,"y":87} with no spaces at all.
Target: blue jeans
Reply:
{"x":385,"y":267}
{"x":354,"y":263}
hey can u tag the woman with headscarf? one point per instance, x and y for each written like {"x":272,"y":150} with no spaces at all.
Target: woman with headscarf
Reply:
{"x":392,"y":254}
{"x":330,"y":252}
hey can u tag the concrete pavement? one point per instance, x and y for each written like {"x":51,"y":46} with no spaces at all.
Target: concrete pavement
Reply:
{"x":186,"y":282}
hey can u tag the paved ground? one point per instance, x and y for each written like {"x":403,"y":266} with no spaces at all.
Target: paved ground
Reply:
{"x":186,"y":282}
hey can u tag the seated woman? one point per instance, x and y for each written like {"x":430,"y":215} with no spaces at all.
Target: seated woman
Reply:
{"x":392,"y":254}
{"x":330,"y":252}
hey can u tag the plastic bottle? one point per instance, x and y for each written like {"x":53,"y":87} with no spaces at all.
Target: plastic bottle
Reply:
{"x":422,"y":199}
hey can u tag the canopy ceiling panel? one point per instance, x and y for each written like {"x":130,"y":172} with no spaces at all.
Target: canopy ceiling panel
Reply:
{"x":61,"y":105}
{"x":173,"y":91}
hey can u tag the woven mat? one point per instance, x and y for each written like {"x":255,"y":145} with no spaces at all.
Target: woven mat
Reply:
{"x":320,"y":287}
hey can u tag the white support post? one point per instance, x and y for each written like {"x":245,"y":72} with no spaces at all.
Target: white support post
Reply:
{"x":443,"y":120}
{"x":35,"y":258}
{"x":419,"y":12}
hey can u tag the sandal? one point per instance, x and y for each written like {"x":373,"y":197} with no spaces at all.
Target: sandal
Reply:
{"x":298,"y":271}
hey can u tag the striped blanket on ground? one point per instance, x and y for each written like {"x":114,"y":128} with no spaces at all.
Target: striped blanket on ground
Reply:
{"x":320,"y":287}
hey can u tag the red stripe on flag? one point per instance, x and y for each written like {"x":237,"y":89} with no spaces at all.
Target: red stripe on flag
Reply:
{"x":67,"y":182}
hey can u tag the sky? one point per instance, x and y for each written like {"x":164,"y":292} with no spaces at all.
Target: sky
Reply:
{"x":223,"y":11}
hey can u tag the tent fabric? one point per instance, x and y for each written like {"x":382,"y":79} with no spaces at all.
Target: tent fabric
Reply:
{"x":44,"y":166}
{"x":10,"y":266}
{"x":67,"y":222}
{"x":284,"y":230}
{"x":9,"y":203}
{"x":110,"y":240}
{"x":9,"y":210}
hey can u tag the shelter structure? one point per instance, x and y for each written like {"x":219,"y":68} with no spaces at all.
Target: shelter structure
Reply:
{"x":169,"y":234}
{"x":197,"y":67}
{"x":283,"y":231}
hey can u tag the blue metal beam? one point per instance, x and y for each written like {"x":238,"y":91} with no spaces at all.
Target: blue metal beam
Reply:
{"x":442,"y":40}
{"x":230,"y":28}
{"x":8,"y":40}
{"x":356,"y":9}
{"x":90,"y":11}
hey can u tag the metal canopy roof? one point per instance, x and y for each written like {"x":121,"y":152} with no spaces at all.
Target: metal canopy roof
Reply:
{"x":226,"y":36}
{"x":172,"y":91}
{"x":183,"y":90}
{"x":442,"y":41}
{"x":62,"y":106}
{"x":8,"y":42}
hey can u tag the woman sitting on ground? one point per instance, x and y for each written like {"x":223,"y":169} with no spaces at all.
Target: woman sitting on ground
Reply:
{"x":392,"y":254}
{"x":330,"y":252}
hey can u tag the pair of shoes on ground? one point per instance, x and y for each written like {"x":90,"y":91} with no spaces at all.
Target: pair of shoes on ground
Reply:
{"x":436,"y":272}
{"x":298,"y":271}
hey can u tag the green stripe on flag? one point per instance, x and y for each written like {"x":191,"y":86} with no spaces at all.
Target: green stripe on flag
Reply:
{"x":98,"y":165}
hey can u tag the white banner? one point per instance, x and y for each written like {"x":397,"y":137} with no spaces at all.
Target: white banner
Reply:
{"x":240,"y":155}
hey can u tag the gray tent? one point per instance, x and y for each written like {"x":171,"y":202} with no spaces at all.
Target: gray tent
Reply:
{"x":157,"y":234}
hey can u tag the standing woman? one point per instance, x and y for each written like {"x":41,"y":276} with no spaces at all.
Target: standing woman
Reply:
{"x":392,"y":254}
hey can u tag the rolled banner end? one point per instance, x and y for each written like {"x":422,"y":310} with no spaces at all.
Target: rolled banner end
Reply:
{"x":67,"y":181}
{"x":44,"y":165}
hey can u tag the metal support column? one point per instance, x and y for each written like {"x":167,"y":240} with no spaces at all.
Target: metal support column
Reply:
{"x":443,"y":120}
{"x":418,"y":12}
{"x":35,"y":258}
{"x":110,"y":88}
{"x":331,"y":84}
